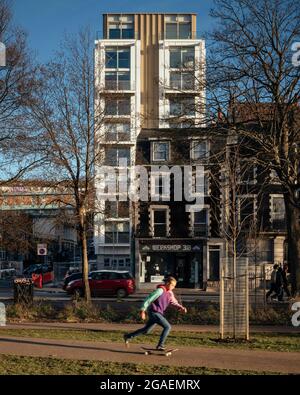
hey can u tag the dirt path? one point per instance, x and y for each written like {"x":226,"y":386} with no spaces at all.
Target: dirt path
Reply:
{"x":285,"y":362}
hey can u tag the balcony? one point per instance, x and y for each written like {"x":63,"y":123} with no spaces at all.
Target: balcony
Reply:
{"x":118,"y":86}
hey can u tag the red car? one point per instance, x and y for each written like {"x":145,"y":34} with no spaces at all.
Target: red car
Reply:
{"x":105,"y":283}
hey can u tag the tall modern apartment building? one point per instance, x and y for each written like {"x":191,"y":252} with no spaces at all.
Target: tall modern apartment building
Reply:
{"x":149,"y":73}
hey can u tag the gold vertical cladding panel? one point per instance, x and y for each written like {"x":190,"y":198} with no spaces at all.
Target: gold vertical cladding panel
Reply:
{"x":149,"y":30}
{"x":105,"y":27}
{"x":194,"y":27}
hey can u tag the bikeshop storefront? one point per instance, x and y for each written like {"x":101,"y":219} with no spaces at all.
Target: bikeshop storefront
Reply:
{"x":182,"y":260}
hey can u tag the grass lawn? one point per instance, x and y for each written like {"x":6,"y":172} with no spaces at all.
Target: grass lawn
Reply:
{"x":261,"y":341}
{"x":13,"y":365}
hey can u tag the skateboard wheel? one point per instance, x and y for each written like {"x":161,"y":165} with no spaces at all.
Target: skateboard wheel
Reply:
{"x":146,"y":353}
{"x":168,"y":354}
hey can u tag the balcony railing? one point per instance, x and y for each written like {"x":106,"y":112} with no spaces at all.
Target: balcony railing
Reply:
{"x":200,"y":230}
{"x":113,"y":85}
{"x":100,"y":35}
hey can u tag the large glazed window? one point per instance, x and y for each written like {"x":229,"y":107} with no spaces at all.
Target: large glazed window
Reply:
{"x":120,"y":26}
{"x":178,"y":27}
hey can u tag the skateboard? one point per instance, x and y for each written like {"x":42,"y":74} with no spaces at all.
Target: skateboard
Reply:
{"x":154,"y":351}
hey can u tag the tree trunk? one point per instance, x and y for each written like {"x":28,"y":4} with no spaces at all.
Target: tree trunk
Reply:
{"x":293,"y":238}
{"x":84,"y":256}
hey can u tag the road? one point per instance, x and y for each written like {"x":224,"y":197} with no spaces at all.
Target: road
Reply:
{"x":55,"y":293}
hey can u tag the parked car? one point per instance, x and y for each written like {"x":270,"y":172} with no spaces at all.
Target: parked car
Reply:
{"x":71,"y":277}
{"x":105,"y":283}
{"x":41,"y":268}
{"x":72,"y":270}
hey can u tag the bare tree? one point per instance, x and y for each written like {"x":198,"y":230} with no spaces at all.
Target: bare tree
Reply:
{"x":253,"y":83}
{"x":17,"y":80}
{"x":63,"y":116}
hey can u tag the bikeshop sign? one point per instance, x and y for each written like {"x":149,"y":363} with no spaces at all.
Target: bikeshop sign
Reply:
{"x":167,"y":248}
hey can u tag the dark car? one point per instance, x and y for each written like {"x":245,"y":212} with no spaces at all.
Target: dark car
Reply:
{"x":71,"y":277}
{"x":105,"y":283}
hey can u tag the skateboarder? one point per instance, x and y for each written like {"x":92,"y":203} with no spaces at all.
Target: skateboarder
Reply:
{"x":155,"y":305}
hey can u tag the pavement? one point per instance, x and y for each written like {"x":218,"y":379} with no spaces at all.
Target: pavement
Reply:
{"x":262,"y":361}
{"x":218,"y":357}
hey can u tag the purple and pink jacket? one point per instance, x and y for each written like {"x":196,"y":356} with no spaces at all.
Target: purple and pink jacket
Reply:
{"x":160,"y":299}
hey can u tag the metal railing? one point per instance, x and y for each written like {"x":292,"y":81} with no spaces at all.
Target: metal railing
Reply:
{"x":100,"y":35}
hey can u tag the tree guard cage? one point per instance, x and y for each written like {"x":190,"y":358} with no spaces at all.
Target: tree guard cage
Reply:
{"x":23,"y":291}
{"x":234,"y":299}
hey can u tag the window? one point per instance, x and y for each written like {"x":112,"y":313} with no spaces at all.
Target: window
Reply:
{"x":200,"y":149}
{"x":178,"y":26}
{"x":120,"y":26}
{"x":160,"y":151}
{"x":116,"y":209}
{"x":200,"y":223}
{"x":247,"y":209}
{"x":160,"y":186}
{"x":117,"y":58}
{"x":116,"y":156}
{"x":247,"y":173}
{"x":116,"y":232}
{"x":159,"y":222}
{"x":117,"y":80}
{"x":201,"y":184}
{"x":117,"y":107}
{"x":182,"y":57}
{"x":117,"y":132}
{"x":181,"y":81}
{"x":277,"y":212}
{"x":184,"y":106}
{"x":274,"y":177}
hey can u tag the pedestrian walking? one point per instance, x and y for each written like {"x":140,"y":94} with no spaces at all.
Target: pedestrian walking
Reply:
{"x":279,"y":284}
{"x":155,"y":305}
{"x":285,"y":284}
{"x":273,"y":285}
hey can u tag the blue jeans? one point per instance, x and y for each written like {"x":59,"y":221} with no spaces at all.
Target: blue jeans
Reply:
{"x":154,"y":319}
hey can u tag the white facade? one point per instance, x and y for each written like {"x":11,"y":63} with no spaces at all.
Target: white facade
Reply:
{"x":167,"y":91}
{"x":118,"y":107}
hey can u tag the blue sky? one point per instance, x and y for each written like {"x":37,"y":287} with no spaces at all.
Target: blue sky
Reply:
{"x":45,"y":21}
